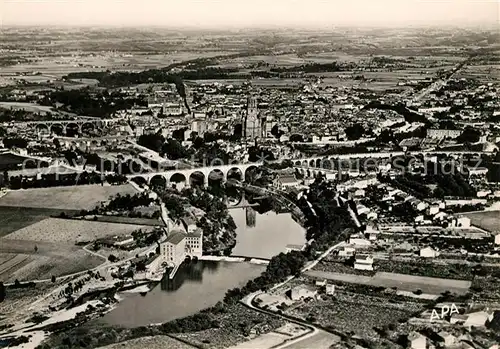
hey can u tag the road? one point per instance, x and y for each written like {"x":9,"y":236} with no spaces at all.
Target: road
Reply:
{"x":317,"y":338}
{"x":435,"y":86}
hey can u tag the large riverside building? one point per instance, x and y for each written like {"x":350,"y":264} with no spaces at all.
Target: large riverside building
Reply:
{"x":174,"y":248}
{"x":181,"y":244}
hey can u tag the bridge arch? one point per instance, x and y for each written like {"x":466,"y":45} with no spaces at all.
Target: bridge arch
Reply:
{"x":72,"y":128}
{"x":178,"y":178}
{"x":298,"y":163}
{"x":86,"y":125}
{"x":198,"y":178}
{"x":158,"y":181}
{"x":55,"y":127}
{"x":312,"y":163}
{"x":40,"y":127}
{"x":235,"y":173}
{"x":216,"y":175}
{"x":248,"y":172}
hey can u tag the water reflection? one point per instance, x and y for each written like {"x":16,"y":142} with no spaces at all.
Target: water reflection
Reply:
{"x":251,"y":217}
{"x":188,"y":271}
{"x":196,"y":286}
{"x":264,"y":235}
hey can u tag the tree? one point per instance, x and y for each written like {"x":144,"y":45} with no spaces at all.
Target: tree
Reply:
{"x":354,"y":132}
{"x":238,"y":132}
{"x":15,"y":143}
{"x":174,"y":150}
{"x":386,"y":136}
{"x":296,"y":138}
{"x":198,"y":142}
{"x":276,"y":132}
{"x":153,"y":141}
{"x":470,"y":135}
{"x":2,"y":292}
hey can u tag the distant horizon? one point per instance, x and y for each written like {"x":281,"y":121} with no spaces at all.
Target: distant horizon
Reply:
{"x":250,"y":14}
{"x":491,"y":26}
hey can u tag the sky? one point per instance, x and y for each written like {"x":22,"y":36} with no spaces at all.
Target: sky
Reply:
{"x":249,"y":13}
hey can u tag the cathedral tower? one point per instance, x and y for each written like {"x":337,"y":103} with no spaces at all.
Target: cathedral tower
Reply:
{"x":252,"y":124}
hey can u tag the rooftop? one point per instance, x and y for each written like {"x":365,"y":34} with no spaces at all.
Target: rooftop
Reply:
{"x":175,"y":237}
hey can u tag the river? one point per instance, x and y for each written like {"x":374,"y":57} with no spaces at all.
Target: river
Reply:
{"x":202,"y":284}
{"x":264,"y":235}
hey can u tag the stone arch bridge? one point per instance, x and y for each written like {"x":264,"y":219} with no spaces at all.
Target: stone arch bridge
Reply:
{"x":201,"y":172}
{"x":327,"y":162}
{"x":64,"y":124}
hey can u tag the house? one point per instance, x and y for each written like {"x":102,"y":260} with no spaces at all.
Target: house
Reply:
{"x":497,"y":239}
{"x":417,"y":341}
{"x":321,"y":283}
{"x":362,"y":209}
{"x":428,"y":252}
{"x":372,"y":236}
{"x":462,"y":222}
{"x":302,"y":292}
{"x":440,"y":216}
{"x":371,"y":228}
{"x":347,"y":251}
{"x":483,"y":193}
{"x":478,"y":319}
{"x":330,"y":289}
{"x":433,"y":209}
{"x":446,"y":339}
{"x":286,"y":181}
{"x":291,"y":247}
{"x":359,"y":193}
{"x":363,"y":262}
{"x":458,"y":319}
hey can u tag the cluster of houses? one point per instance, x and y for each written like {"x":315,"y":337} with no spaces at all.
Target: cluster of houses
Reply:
{"x":463,"y":321}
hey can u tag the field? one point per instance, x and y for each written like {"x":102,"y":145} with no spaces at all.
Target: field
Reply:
{"x":15,"y":218}
{"x":7,"y":160}
{"x":35,"y":108}
{"x":57,"y":230}
{"x":40,"y":267}
{"x":10,"y":262}
{"x":402,"y":282}
{"x":358,"y":313}
{"x":56,"y":252}
{"x":156,"y":342}
{"x":487,"y":220}
{"x":321,"y":340}
{"x":485,"y":73}
{"x":58,"y":67}
{"x":235,"y":324}
{"x":82,"y":197}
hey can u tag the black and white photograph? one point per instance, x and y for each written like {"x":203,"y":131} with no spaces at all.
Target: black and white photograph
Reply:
{"x":250,"y":174}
